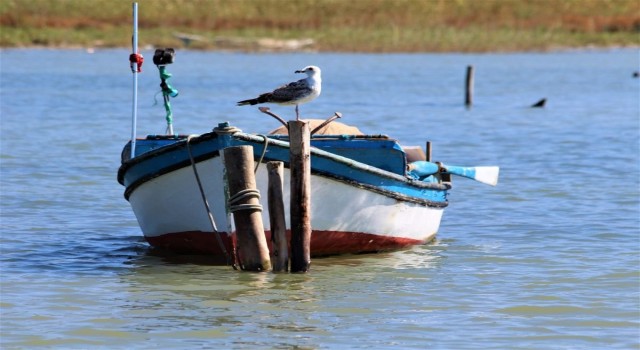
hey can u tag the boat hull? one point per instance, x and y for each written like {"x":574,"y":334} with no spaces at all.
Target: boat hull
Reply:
{"x":345,"y":218}
{"x":354,"y":208}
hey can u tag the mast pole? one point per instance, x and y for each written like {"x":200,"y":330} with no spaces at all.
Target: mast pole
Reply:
{"x":134,"y":117}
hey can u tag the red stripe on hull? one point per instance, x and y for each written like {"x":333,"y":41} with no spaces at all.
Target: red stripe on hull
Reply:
{"x":323,"y":243}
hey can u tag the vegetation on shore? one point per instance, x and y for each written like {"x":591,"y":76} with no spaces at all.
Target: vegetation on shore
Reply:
{"x":334,"y":25}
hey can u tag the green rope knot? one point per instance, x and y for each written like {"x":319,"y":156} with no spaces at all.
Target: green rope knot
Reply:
{"x":167,"y":92}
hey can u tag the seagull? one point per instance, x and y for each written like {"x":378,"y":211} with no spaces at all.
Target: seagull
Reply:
{"x":294,"y":93}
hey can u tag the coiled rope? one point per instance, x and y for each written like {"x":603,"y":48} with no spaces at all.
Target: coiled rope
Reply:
{"x":249,"y":192}
{"x":241,"y":196}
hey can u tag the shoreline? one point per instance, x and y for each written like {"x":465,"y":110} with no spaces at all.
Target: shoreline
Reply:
{"x":372,"y":26}
{"x":91,"y":49}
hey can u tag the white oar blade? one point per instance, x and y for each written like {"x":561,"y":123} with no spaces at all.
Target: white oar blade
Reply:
{"x":487,"y":174}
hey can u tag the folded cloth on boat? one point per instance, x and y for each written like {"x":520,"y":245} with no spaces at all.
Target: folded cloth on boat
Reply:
{"x":333,"y":128}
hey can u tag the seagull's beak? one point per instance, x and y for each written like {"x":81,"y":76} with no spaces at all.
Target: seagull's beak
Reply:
{"x":299,"y":71}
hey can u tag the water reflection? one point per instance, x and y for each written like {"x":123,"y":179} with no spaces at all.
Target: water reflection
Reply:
{"x":422,"y":256}
{"x":188,"y":292}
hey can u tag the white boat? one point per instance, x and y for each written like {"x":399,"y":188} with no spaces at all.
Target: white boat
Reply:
{"x":368,"y":193}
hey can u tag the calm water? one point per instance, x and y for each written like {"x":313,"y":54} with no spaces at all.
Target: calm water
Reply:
{"x":549,"y":259}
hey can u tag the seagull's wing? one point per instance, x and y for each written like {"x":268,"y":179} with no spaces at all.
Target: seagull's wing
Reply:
{"x":291,"y":92}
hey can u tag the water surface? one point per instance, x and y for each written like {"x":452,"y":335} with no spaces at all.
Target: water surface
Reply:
{"x":547,"y":259}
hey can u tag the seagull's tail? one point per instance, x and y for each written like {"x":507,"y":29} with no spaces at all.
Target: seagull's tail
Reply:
{"x":254,"y":101}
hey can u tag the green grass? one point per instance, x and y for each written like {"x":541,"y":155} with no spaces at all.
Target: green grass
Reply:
{"x":336,"y":25}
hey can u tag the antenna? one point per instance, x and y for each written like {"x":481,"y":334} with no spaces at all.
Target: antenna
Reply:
{"x":137,"y":59}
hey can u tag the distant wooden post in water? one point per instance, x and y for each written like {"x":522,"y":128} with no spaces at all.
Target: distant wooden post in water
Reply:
{"x":276,"y":217}
{"x":468,"y":96}
{"x":245,"y":205}
{"x":300,"y":205}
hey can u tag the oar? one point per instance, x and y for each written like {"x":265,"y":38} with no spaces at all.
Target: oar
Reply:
{"x":485,"y":174}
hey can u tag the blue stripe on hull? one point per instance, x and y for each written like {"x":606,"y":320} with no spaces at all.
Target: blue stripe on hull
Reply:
{"x":174,"y":156}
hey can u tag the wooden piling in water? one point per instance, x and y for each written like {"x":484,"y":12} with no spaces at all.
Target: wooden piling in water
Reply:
{"x":300,"y":205}
{"x":277,"y":222}
{"x":244,"y":203}
{"x":468,"y":95}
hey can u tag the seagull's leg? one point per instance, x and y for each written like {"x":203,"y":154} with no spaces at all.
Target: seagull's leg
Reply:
{"x":297,"y":114}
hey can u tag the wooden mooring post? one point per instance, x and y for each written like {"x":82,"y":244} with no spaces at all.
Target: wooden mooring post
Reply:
{"x":277,"y":222}
{"x":468,"y":95}
{"x":300,"y":205}
{"x":244,"y":203}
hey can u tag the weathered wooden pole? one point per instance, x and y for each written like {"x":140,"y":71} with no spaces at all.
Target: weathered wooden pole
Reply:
{"x":300,"y":205}
{"x":276,"y":217}
{"x":244,"y":203}
{"x":428,"y":155}
{"x":468,"y":96}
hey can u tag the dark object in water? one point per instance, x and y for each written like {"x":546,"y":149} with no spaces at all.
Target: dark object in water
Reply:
{"x":540,"y":103}
{"x":636,"y":74}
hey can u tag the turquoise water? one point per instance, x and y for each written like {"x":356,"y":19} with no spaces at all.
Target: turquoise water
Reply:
{"x":548,"y":259}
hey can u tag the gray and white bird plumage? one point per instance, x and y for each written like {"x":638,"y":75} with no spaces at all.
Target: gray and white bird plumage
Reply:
{"x":294,"y":93}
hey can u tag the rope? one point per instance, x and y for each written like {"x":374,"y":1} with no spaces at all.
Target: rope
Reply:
{"x":264,"y":151}
{"x":249,"y":192}
{"x":167,"y":91}
{"x":242,"y":195}
{"x":206,"y":203}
